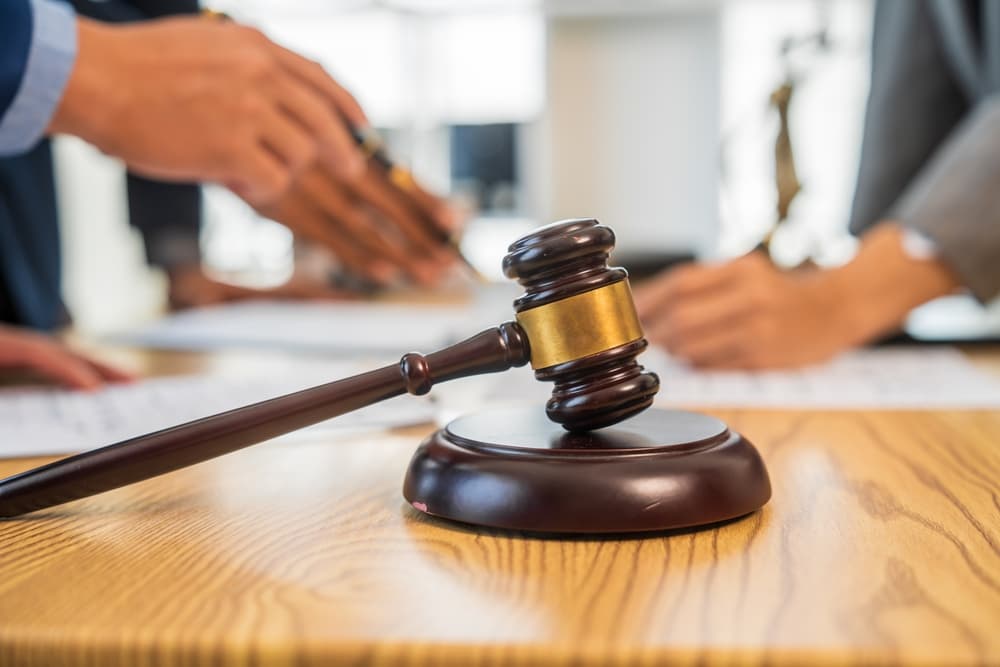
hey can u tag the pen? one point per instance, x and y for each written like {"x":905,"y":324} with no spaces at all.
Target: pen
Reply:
{"x":372,"y":146}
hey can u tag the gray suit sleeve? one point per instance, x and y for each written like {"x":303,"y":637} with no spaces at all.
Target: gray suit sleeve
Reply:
{"x":955,"y":200}
{"x":929,"y":159}
{"x":913,"y":105}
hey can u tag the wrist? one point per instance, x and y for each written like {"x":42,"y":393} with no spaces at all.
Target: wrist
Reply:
{"x":885,"y":281}
{"x":87,"y":108}
{"x":859,"y":318}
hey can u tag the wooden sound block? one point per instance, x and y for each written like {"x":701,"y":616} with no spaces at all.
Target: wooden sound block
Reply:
{"x":515,"y":469}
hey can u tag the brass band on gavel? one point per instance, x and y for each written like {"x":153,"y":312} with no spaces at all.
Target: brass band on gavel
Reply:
{"x":581,"y":325}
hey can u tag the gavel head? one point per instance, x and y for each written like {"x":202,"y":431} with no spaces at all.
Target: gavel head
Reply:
{"x":581,"y":324}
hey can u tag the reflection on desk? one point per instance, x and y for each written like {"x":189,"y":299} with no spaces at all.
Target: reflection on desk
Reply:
{"x":881,"y":544}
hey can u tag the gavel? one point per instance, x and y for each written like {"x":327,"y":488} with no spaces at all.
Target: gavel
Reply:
{"x":575,"y":323}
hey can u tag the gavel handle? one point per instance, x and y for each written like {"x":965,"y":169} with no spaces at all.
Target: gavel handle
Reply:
{"x":145,"y":456}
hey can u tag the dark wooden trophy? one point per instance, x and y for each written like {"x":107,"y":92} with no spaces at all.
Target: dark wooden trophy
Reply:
{"x":612,"y":465}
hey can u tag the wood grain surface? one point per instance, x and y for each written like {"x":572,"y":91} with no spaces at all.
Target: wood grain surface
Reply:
{"x":881,"y":545}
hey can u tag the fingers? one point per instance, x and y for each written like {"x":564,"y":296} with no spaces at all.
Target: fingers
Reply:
{"x":19,"y":349}
{"x":681,"y":282}
{"x":434,"y":207}
{"x":424,"y":239}
{"x":318,"y":78}
{"x":63,"y":367}
{"x":365,"y":226}
{"x":307,"y":219}
{"x":110,"y":373}
{"x":702,"y":339}
{"x":745,"y":314}
{"x":326,"y":127}
{"x":265,"y":177}
{"x":421,"y":221}
{"x":214,"y":93}
{"x":357,"y":224}
{"x":710,"y":315}
{"x":718,"y":348}
{"x":683,"y":321}
{"x":347,"y":104}
{"x":325,"y":209}
{"x":705,"y":292}
{"x":293,"y":110}
{"x":338,"y":209}
{"x":288,"y":141}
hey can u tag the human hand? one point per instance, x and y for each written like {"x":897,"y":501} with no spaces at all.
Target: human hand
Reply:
{"x":190,"y":287}
{"x":206,"y":100}
{"x":747,"y":314}
{"x":27,"y":350}
{"x":376,"y":229}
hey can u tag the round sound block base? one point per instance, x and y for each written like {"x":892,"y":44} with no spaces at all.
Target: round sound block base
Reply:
{"x":516,"y":470}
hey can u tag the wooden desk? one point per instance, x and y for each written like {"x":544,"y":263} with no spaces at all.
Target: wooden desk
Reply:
{"x":881,"y":544}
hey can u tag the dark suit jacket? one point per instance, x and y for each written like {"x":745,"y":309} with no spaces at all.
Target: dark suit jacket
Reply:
{"x":15,"y":17}
{"x":168,"y":215}
{"x":931,"y":152}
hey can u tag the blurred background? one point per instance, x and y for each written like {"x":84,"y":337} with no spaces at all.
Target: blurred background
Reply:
{"x":654,"y":116}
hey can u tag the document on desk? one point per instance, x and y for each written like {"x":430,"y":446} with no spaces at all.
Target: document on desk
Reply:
{"x":43,"y":421}
{"x":882,"y":378}
{"x":904,"y":378}
{"x":321,"y":327}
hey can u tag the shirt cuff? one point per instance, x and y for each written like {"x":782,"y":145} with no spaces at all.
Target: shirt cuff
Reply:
{"x":919,"y":246}
{"x":49,"y":64}
{"x":953,"y":200}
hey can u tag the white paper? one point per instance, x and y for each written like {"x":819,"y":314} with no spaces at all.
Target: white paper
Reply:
{"x":322,"y":327}
{"x":913,"y":377}
{"x":39,"y":421}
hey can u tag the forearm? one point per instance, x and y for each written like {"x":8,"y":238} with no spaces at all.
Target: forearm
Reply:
{"x":884,"y":282}
{"x":87,"y":106}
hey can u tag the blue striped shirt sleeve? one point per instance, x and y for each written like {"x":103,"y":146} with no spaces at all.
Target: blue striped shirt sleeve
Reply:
{"x":49,"y":62}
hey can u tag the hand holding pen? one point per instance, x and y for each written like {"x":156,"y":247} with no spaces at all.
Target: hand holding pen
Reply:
{"x":438,"y":218}
{"x":378,"y":221}
{"x":378,"y":230}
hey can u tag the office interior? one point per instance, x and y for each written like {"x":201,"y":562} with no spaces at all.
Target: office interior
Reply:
{"x":485,"y":101}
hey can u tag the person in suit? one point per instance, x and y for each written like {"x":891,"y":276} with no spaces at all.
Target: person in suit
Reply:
{"x":168,"y":215}
{"x":182,"y":99}
{"x":926,"y":207}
